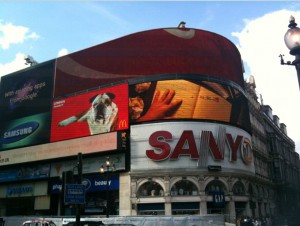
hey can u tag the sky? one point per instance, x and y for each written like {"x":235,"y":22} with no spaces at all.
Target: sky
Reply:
{"x":49,"y":29}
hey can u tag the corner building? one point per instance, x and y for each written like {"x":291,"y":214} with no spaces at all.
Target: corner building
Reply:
{"x":168,"y":106}
{"x":191,"y":162}
{"x":276,"y":182}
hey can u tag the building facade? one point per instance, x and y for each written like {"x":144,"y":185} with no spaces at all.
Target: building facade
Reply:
{"x":276,"y":161}
{"x":169,"y":107}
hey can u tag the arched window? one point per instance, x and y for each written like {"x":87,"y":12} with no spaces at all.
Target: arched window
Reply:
{"x":184,"y":187}
{"x":238,"y":188}
{"x":266,"y":193}
{"x":150,"y":188}
{"x":258,"y":191}
{"x":251,"y":190}
{"x":215,"y":186}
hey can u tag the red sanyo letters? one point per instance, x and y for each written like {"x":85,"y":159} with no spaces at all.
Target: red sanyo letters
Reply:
{"x":186,"y":145}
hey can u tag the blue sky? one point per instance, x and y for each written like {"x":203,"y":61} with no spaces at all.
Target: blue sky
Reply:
{"x":78,"y":25}
{"x":46,"y":30}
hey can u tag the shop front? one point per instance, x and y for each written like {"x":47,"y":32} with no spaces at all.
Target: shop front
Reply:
{"x":96,"y":195}
{"x":28,"y":198}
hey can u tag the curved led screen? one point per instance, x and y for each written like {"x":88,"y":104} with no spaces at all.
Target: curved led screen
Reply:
{"x":188,"y":99}
{"x":146,"y":53}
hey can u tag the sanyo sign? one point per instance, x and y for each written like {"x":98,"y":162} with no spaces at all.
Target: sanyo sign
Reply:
{"x":190,"y":145}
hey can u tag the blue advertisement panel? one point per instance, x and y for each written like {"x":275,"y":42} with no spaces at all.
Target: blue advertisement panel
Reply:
{"x":25,"y":100}
{"x":92,"y":183}
{"x":25,"y":173}
{"x":25,"y":131}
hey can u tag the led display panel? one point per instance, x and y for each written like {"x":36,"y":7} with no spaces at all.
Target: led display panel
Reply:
{"x":25,"y":131}
{"x":90,"y":113}
{"x":188,"y":99}
{"x":152,"y":52}
{"x":25,"y":100}
{"x":27,"y":92}
{"x":86,"y":145}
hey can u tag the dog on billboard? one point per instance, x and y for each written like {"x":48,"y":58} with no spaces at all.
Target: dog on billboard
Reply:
{"x":101,"y":116}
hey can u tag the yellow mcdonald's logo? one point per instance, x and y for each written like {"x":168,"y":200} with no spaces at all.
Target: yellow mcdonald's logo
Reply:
{"x":123,"y":124}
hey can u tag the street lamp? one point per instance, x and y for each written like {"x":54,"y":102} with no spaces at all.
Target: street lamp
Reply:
{"x":107,"y":171}
{"x":292,"y":41}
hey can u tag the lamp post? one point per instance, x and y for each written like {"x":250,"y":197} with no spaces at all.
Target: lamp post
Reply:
{"x":292,"y":41}
{"x":79,"y":168}
{"x":107,"y":171}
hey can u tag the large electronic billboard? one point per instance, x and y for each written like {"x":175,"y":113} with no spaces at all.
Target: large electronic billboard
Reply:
{"x":188,"y":99}
{"x":94,"y":112}
{"x":25,"y":100}
{"x":152,"y":52}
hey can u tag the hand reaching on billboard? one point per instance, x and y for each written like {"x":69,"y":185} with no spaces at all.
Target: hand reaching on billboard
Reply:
{"x":162,"y":106}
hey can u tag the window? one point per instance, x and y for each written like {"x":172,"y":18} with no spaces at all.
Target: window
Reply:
{"x":184,"y":187}
{"x":215,"y":186}
{"x":185,"y":208}
{"x":151,"y":209}
{"x":150,"y":188}
{"x":238,"y":188}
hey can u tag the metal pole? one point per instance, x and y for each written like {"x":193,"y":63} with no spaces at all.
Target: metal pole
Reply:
{"x":296,"y":52}
{"x":297,"y":65}
{"x":79,"y":167}
{"x":107,"y":194}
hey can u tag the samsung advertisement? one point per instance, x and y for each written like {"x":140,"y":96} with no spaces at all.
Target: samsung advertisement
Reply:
{"x":25,"y":99}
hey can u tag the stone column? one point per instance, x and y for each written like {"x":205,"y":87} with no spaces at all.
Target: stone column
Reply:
{"x":232,"y":214}
{"x":125,"y":195}
{"x":203,"y":204}
{"x":168,"y":205}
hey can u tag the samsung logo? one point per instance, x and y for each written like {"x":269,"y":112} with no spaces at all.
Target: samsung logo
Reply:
{"x":19,"y":132}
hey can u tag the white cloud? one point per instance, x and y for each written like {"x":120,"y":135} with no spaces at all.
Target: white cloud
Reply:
{"x":17,"y":64}
{"x":62,"y":52}
{"x":12,"y":34}
{"x":260,"y":43}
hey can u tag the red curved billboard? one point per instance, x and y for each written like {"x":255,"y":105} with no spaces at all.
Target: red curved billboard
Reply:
{"x":153,"y":52}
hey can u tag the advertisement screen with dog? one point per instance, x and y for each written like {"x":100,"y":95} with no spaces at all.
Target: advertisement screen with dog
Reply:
{"x":90,"y":113}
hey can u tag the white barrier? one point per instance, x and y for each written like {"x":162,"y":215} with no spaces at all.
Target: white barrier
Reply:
{"x":208,"y":220}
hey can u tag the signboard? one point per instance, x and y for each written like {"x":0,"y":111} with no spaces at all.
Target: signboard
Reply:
{"x":219,"y":199}
{"x":74,"y":194}
{"x":27,"y":92}
{"x":34,"y":171}
{"x":25,"y":100}
{"x":190,"y":146}
{"x":90,"y":113}
{"x":91,"y":165}
{"x":96,"y":183}
{"x":85,"y":145}
{"x":26,"y":131}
